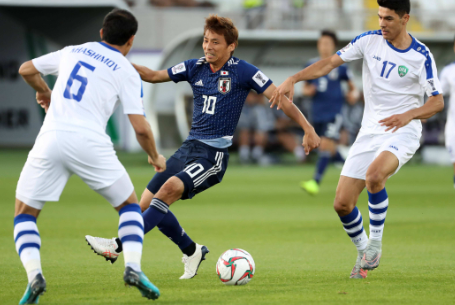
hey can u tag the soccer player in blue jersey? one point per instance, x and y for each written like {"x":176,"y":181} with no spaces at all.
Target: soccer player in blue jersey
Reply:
{"x":220,"y":84}
{"x":327,"y":101}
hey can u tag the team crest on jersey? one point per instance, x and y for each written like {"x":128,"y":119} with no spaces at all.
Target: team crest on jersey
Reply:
{"x":402,"y":71}
{"x":224,"y":85}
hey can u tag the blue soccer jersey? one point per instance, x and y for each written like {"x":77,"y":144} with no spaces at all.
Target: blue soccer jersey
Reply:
{"x":329,"y":97}
{"x":218,"y":96}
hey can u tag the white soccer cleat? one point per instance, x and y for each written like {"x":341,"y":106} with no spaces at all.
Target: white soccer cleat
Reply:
{"x":107,"y":248}
{"x":192,"y":262}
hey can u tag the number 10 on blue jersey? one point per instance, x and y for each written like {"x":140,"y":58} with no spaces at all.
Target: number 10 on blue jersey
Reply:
{"x":83,"y":80}
{"x":209,"y":104}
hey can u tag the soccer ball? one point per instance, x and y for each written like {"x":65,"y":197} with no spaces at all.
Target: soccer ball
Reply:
{"x":235,"y":267}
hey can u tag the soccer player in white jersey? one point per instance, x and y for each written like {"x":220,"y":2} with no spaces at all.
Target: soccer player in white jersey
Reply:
{"x":397,"y":71}
{"x":448,"y":86}
{"x":93,"y":78}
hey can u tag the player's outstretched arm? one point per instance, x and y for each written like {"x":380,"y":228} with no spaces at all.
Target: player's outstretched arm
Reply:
{"x":151,"y":76}
{"x":33,"y":78}
{"x":145,"y":138}
{"x":310,"y":140}
{"x":316,"y":70}
{"x":433,"y":105}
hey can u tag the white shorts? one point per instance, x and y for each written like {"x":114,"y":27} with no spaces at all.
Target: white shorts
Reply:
{"x":57,"y":155}
{"x":450,"y":140}
{"x":367,"y":147}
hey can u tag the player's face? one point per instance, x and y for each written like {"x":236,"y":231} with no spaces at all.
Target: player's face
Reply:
{"x":326,"y":46}
{"x":216,"y":49}
{"x":391,"y":24}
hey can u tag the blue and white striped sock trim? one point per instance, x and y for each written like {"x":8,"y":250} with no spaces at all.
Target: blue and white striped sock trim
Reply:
{"x":131,"y":224}
{"x":160,"y":205}
{"x":378,"y":204}
{"x":353,"y":223}
{"x":26,"y":233}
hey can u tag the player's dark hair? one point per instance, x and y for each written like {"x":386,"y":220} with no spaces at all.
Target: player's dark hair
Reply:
{"x":330,"y":34}
{"x":400,"y":7}
{"x":222,"y":26}
{"x":119,"y":26}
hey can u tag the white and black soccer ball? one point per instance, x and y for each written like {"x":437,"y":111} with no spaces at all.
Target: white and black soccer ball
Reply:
{"x":235,"y":267}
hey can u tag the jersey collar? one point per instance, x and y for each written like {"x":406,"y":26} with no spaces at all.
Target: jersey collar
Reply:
{"x":109,"y":47}
{"x":402,"y":51}
{"x":223,"y":67}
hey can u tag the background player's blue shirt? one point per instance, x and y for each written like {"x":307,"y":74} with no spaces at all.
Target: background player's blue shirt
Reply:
{"x":329,"y":97}
{"x":218,"y":96}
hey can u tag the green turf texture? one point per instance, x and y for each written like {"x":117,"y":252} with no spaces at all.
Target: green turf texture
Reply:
{"x":302,"y":254}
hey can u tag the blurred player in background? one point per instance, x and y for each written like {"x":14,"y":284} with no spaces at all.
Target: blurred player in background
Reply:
{"x":220,"y":84}
{"x":397,"y":71}
{"x":257,"y":120}
{"x":92,"y":79}
{"x":327,"y":101}
{"x":448,"y":86}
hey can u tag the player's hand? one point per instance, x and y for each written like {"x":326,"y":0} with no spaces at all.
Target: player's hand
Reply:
{"x":44,"y":99}
{"x":159,"y":164}
{"x":396,"y":121}
{"x":310,"y":141}
{"x":285,"y":89}
{"x":145,"y":73}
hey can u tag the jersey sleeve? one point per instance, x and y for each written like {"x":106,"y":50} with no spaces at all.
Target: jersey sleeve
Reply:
{"x":429,"y":76}
{"x":49,"y":63}
{"x":131,"y":95}
{"x":181,"y":72}
{"x":444,"y":78}
{"x":356,"y":48}
{"x":251,"y":77}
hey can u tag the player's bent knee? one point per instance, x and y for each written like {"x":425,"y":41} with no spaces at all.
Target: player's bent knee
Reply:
{"x":171,"y":191}
{"x":374,"y":180}
{"x":342,"y":205}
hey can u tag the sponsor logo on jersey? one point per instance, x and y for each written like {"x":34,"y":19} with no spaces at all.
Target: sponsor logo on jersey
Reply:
{"x":199,"y":83}
{"x":377,"y":57}
{"x":178,"y":68}
{"x":431,"y":83}
{"x":260,"y":79}
{"x":402,"y":71}
{"x":224,"y":85}
{"x":224,"y":73}
{"x":347,"y":47}
{"x":394,"y":147}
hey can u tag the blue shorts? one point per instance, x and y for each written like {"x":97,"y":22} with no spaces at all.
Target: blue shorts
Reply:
{"x":198,"y":165}
{"x":329,"y":129}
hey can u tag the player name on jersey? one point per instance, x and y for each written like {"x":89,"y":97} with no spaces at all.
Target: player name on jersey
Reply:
{"x":97,"y":56}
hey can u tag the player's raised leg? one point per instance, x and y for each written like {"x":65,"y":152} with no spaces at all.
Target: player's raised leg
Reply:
{"x":347,"y":194}
{"x":378,"y":172}
{"x":28,"y":244}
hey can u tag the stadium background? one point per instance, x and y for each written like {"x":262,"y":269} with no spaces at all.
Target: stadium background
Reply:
{"x":293,"y":243}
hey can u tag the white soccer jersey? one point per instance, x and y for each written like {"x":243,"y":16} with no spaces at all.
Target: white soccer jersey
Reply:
{"x":394,"y":80}
{"x":92,"y":79}
{"x":448,"y":85}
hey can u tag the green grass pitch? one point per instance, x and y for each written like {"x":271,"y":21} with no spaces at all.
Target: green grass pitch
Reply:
{"x":302,"y":254}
